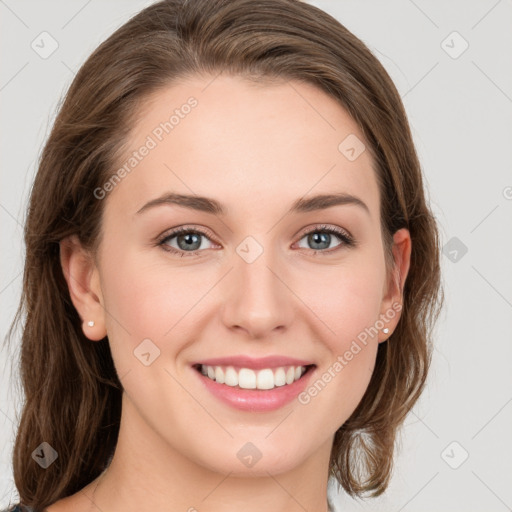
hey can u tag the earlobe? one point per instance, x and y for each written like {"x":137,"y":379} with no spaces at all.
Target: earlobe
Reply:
{"x":82,"y":278}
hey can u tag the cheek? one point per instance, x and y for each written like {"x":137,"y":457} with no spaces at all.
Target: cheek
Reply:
{"x":347,"y":300}
{"x":149,"y":299}
{"x":348,"y":307}
{"x":144,"y":300}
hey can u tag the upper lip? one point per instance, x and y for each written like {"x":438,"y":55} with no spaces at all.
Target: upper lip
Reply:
{"x":253,"y":363}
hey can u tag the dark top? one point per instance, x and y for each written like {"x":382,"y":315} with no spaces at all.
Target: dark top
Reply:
{"x":18,"y":508}
{"x":23,"y":508}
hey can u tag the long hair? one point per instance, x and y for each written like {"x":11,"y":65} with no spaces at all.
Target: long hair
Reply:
{"x":72,"y":393}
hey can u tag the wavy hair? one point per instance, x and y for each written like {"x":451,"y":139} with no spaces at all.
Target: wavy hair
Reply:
{"x":72,"y":395}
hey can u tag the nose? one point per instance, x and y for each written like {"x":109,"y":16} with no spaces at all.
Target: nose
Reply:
{"x":258,"y":300}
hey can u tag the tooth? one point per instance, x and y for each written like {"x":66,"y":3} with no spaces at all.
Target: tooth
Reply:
{"x":231,"y":377}
{"x":219,"y":375}
{"x":247,"y":378}
{"x":265,"y":379}
{"x":280,"y":377}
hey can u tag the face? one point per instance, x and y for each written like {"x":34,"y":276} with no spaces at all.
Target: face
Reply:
{"x":259,"y":277}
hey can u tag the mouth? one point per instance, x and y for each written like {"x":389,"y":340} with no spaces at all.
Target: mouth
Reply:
{"x":262,"y":379}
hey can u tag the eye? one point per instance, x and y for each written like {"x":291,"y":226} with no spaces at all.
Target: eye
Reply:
{"x":186,"y":241}
{"x":320,"y":238}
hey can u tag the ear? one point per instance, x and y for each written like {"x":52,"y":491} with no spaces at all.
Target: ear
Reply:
{"x":82,"y":277}
{"x":392,"y":302}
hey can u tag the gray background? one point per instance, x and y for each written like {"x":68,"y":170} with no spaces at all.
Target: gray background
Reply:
{"x":459,"y":105}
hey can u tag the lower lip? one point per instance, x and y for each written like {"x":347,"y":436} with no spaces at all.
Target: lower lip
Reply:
{"x":256,"y":400}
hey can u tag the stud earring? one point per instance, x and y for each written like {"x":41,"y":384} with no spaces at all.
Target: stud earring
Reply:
{"x":90,"y":323}
{"x":385,"y":330}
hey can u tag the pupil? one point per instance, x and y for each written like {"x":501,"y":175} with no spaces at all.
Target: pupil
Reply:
{"x":189,"y":239}
{"x":321,"y":238}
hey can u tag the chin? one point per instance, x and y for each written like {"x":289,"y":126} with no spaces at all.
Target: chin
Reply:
{"x":270,"y":463}
{"x":241,"y":457}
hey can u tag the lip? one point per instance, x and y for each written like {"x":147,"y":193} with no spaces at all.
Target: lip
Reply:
{"x":243,"y":361}
{"x":256,"y":400}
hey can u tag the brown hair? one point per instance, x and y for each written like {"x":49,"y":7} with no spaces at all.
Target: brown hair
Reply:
{"x":73,"y":395}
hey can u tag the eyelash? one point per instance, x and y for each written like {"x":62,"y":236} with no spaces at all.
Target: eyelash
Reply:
{"x":347,"y":240}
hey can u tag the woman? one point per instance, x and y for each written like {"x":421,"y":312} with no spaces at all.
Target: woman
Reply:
{"x":231,"y":270}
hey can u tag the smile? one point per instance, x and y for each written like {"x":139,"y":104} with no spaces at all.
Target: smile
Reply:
{"x":246,"y":378}
{"x":251,"y":390}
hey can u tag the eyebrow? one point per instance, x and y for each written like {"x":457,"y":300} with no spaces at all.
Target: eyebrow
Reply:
{"x":209,"y":205}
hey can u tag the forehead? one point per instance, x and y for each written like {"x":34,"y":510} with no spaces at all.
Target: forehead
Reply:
{"x":251,"y":145}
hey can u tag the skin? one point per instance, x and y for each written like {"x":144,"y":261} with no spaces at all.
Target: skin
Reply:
{"x":256,"y":149}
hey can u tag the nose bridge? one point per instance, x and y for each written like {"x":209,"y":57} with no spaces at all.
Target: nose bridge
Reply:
{"x":259,"y":301}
